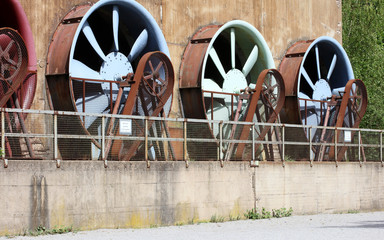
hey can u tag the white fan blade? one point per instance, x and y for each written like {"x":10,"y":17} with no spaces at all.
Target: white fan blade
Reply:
{"x":251,"y":60}
{"x":318,"y":62}
{"x":217,"y":62}
{"x":80,"y":70}
{"x":210,"y":85}
{"x":332,"y":67}
{"x":139,"y":45}
{"x":93,"y":104}
{"x":92,"y":40}
{"x":338,"y":91}
{"x":116,"y":26}
{"x":220,"y":112}
{"x":233,"y":44}
{"x":307,"y":78}
{"x":310,"y":104}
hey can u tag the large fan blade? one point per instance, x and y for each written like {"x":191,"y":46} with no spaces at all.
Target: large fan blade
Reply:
{"x":217,"y":62}
{"x":80,"y":70}
{"x":307,"y":78}
{"x":116,"y":26}
{"x":92,"y":40}
{"x":251,"y":60}
{"x":210,"y":85}
{"x":332,"y":67}
{"x":93,"y":104}
{"x":318,"y":62}
{"x":310,"y":104}
{"x":139,"y":45}
{"x":220,"y":112}
{"x":233,"y":44}
{"x":338,"y":91}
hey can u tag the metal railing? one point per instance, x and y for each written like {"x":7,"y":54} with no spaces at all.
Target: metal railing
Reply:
{"x":62,"y":136}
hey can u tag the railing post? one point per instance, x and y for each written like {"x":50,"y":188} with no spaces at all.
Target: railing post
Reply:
{"x":221,"y":143}
{"x":381,"y":148}
{"x":55,"y":141}
{"x":103,"y":142}
{"x":146,"y":141}
{"x":3,"y":133}
{"x":310,"y":145}
{"x":283,"y":148}
{"x":336,"y":146}
{"x":253,"y":142}
{"x":185,"y":143}
{"x":3,"y":138}
{"x":359,"y":136}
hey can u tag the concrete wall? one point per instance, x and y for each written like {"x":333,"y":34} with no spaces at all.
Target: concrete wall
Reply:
{"x":128,"y":194}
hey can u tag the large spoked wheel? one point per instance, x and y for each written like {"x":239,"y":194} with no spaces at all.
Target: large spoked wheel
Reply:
{"x":107,"y":47}
{"x":13,"y":63}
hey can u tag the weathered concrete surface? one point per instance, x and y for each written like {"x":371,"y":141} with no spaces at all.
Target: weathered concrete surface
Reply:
{"x":86,"y":195}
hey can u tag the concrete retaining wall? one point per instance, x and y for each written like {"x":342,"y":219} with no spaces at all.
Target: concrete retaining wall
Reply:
{"x":86,"y":195}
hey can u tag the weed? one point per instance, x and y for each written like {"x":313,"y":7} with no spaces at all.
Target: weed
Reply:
{"x":282,"y":212}
{"x":216,"y":219}
{"x":41,"y":230}
{"x":264,"y":214}
{"x":234,"y":218}
{"x":353,"y":211}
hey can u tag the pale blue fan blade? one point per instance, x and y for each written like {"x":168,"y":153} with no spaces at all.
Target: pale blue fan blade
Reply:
{"x":116,"y":27}
{"x":338,"y":91}
{"x":93,"y":104}
{"x":233,"y":44}
{"x":217,"y":62}
{"x":80,"y":70}
{"x":210,"y":85}
{"x":310,"y":104}
{"x":138,"y":46}
{"x":332,"y":67}
{"x":318,"y":62}
{"x":251,"y":60}
{"x":307,"y":78}
{"x":92,"y":40}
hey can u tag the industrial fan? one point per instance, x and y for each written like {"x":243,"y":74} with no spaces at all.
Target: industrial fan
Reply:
{"x":218,"y":80}
{"x":101,"y":56}
{"x":316,"y":74}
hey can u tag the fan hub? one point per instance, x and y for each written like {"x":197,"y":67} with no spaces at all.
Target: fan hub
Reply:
{"x":322,"y":91}
{"x":234,"y":81}
{"x":115,"y":66}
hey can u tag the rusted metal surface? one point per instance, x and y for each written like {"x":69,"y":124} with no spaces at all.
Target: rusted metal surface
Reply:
{"x":289,"y":69}
{"x":190,"y":72}
{"x":155,"y":88}
{"x":273,"y":102}
{"x":354,"y":103}
{"x":12,"y":15}
{"x":57,"y":59}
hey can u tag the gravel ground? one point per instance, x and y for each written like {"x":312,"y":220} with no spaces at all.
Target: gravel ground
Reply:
{"x":326,"y":226}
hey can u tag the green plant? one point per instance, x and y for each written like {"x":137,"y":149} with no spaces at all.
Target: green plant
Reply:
{"x":234,"y":218}
{"x":215,"y":219}
{"x":282,"y":212}
{"x":264,"y":214}
{"x":41,"y":230}
{"x":2,"y":153}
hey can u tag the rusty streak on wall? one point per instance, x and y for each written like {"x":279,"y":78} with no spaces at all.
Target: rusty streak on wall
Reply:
{"x":280,"y":22}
